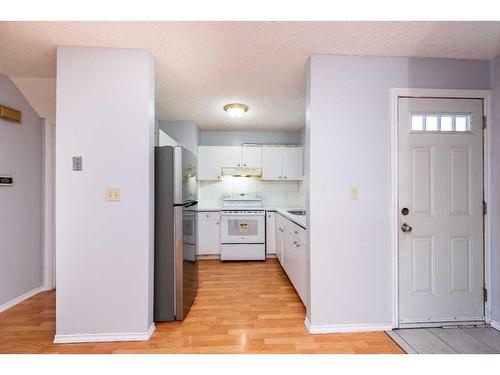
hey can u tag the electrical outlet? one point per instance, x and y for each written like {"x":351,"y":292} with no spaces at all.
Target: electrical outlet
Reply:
{"x":354,"y":193}
{"x":113,"y":194}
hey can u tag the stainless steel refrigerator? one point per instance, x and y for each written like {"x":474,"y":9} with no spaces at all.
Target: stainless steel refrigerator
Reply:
{"x":176,"y":269}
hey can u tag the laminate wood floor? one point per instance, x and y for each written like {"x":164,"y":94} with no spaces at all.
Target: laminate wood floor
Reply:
{"x":241,"y":307}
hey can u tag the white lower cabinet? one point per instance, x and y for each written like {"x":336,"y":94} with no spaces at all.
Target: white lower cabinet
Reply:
{"x":271,"y":233}
{"x":292,"y":253}
{"x":208,"y":233}
{"x":278,"y":237}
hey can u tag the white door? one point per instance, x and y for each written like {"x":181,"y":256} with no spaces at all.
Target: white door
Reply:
{"x":251,"y":157}
{"x":292,"y":163}
{"x":208,"y":233}
{"x":440,"y":211}
{"x":272,"y":163}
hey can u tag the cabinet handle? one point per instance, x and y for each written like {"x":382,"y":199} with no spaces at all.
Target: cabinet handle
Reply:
{"x":285,"y":177}
{"x":244,"y":165}
{"x":279,"y":177}
{"x":239,"y":165}
{"x":217,"y":223}
{"x":295,"y":232}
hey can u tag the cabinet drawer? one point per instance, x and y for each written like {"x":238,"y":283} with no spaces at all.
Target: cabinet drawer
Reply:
{"x":295,"y":230}
{"x":298,"y":232}
{"x":208,"y":216}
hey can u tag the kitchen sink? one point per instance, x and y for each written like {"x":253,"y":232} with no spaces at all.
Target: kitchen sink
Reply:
{"x":300,"y":213}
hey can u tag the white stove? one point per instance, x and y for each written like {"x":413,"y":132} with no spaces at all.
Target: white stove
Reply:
{"x":243,"y":228}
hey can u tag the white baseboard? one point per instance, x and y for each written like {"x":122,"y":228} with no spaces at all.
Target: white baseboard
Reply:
{"x":105,"y":337}
{"x":345,"y":328}
{"x":495,"y":324}
{"x":20,"y":299}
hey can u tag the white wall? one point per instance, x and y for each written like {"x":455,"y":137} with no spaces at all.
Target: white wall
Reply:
{"x":273,"y":193}
{"x":21,"y":221}
{"x":348,"y":144}
{"x":238,"y":138}
{"x":185,"y":133}
{"x":165,"y":140}
{"x":105,"y":113}
{"x":494,"y":204}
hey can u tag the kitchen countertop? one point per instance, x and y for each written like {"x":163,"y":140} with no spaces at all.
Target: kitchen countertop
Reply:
{"x":297,"y":219}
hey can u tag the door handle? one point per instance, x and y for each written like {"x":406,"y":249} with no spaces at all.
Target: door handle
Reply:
{"x":406,"y":228}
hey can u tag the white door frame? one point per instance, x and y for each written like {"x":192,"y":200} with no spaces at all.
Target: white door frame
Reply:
{"x":49,"y":274}
{"x":394,"y":211}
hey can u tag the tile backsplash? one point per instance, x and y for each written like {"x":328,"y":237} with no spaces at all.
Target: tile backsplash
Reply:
{"x":274,"y":193}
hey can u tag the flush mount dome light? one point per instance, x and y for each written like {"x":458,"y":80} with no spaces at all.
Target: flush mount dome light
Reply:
{"x":236,"y":109}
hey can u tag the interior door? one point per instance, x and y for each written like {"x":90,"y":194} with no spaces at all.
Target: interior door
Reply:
{"x":440,"y":211}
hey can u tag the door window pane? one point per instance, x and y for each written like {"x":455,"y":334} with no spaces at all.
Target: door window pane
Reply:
{"x":417,"y":122}
{"x":446,"y":123}
{"x":431,"y":123}
{"x":441,"y":122}
{"x":461,"y":124}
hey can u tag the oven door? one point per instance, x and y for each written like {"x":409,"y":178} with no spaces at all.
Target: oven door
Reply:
{"x":243,"y":228}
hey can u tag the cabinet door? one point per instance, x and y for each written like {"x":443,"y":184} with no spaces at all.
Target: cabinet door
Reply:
{"x":279,"y":238}
{"x":301,"y":270}
{"x":289,"y":251}
{"x":230,"y":156}
{"x":271,"y":233}
{"x":251,"y":157}
{"x":209,"y":163}
{"x":293,"y":160}
{"x":272,"y":163}
{"x":208,"y":233}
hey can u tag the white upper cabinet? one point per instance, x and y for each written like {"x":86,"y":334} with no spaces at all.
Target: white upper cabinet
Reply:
{"x":272,"y":163}
{"x":209,"y":163}
{"x":251,"y":156}
{"x":230,"y":156}
{"x":277,"y":162}
{"x":282,"y":163}
{"x":292,"y":163}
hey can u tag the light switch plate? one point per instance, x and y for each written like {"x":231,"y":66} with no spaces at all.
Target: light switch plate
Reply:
{"x":354,"y":193}
{"x":77,"y":163}
{"x":113,"y":194}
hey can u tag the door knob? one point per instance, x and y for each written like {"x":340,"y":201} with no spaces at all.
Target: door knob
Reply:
{"x":406,"y":228}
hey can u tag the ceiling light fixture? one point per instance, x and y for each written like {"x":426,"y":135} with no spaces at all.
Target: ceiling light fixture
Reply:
{"x":236,"y":109}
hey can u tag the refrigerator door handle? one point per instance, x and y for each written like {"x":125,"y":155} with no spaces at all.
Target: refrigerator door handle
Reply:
{"x":186,"y":204}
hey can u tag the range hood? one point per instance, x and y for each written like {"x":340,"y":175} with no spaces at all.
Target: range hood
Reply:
{"x":241,"y":171}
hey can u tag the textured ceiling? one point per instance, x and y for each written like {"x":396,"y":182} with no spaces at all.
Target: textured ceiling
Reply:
{"x":200,"y":66}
